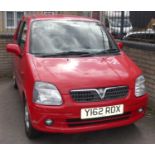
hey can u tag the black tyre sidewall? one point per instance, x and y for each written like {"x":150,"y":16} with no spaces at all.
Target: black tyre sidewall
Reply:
{"x":30,"y":132}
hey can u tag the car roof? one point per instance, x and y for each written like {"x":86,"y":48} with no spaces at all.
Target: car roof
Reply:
{"x":58,"y":17}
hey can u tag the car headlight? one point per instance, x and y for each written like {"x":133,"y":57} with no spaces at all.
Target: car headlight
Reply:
{"x":140,"y":86}
{"x":46,"y":94}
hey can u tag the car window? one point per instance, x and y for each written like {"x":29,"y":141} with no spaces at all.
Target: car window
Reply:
{"x":19,"y":31}
{"x":57,"y":36}
{"x":22,"y":34}
{"x":142,"y":36}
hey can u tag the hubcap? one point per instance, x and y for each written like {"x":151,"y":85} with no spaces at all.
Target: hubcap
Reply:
{"x":27,"y":123}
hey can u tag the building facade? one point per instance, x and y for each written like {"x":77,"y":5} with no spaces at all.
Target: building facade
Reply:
{"x":9,"y":19}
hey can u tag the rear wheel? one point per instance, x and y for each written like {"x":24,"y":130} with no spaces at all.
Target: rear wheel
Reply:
{"x":15,"y":83}
{"x":30,"y":131}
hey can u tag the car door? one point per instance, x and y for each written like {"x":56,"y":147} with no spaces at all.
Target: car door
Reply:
{"x":21,"y":40}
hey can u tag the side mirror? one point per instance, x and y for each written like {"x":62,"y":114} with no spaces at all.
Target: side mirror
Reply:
{"x":120,"y":45}
{"x":13,"y":48}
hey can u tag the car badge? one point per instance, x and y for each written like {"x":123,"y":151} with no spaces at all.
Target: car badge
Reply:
{"x":101,"y":93}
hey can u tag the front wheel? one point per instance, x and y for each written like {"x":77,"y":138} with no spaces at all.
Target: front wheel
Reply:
{"x":30,"y":131}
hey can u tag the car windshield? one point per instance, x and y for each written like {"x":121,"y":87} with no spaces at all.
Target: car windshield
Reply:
{"x":117,"y":23}
{"x":56,"y":37}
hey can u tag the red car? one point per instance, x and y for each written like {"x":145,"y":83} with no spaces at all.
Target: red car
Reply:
{"x":73,"y":77}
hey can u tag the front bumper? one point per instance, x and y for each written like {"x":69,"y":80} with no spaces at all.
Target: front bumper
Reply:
{"x":66,"y":118}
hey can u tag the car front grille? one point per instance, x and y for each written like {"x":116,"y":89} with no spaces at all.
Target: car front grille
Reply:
{"x":94,"y":95}
{"x":109,"y":119}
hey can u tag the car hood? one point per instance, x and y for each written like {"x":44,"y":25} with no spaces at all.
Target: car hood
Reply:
{"x":86,"y":72}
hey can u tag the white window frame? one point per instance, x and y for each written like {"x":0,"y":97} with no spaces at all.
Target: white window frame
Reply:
{"x":15,"y":19}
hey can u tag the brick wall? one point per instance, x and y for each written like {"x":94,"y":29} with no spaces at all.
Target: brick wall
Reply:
{"x":146,"y":61}
{"x":5,"y":58}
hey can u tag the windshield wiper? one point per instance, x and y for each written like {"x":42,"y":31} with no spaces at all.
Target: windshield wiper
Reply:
{"x":81,"y":53}
{"x":66,"y":53}
{"x":113,"y":50}
{"x":108,"y":51}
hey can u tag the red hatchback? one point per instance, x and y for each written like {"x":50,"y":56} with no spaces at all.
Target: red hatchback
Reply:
{"x":73,"y":77}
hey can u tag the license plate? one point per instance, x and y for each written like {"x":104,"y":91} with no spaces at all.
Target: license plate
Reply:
{"x":102,"y":111}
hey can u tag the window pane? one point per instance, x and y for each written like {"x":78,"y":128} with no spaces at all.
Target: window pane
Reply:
{"x":10,"y":19}
{"x":19,"y":16}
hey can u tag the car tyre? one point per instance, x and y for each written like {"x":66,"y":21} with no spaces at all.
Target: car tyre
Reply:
{"x":29,"y":130}
{"x":15,"y":83}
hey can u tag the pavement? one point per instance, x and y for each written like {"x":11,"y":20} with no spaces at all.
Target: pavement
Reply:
{"x":12,"y":126}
